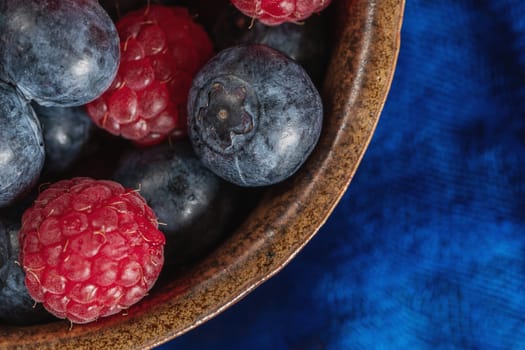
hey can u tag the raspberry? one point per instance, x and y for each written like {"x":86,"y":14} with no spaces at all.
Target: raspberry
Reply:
{"x":161,"y":50}
{"x":274,"y":12}
{"x":90,"y":248}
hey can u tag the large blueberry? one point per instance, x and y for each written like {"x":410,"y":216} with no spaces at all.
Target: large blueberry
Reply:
{"x":59,"y":53}
{"x":254,"y":115}
{"x":21,"y":145}
{"x":67,"y":134}
{"x":195,"y":207}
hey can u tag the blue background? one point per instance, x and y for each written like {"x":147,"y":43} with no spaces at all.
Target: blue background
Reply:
{"x":426,"y":248}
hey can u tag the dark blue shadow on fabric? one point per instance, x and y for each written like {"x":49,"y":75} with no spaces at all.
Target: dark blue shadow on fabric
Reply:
{"x":426,"y":248}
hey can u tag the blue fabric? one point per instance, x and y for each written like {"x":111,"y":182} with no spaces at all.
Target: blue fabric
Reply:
{"x":426,"y":248}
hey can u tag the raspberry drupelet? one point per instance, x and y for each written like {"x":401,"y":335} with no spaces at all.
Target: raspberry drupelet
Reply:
{"x":89,"y":249}
{"x":274,"y":12}
{"x":162,"y":48}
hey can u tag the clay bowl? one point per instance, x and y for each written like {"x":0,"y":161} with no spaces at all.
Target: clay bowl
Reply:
{"x":288,"y":215}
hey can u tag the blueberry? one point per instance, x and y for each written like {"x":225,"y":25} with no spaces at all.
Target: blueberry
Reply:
{"x":306,"y":43}
{"x":59,"y":53}
{"x":21,"y":145}
{"x":16,"y":305}
{"x":67,"y":132}
{"x":254,"y":115}
{"x":194,"y":206}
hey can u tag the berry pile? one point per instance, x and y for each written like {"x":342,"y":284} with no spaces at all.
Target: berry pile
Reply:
{"x":128,"y":149}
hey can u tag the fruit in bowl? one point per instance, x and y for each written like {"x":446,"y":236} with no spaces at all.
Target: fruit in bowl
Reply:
{"x":363,"y":49}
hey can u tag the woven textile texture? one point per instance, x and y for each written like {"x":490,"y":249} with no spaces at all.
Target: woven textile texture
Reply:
{"x":426,"y":249}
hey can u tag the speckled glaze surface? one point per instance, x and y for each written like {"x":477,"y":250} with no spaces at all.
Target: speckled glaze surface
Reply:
{"x":287,"y":217}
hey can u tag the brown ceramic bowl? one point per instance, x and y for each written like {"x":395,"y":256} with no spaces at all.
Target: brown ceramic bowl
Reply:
{"x":289,"y":214}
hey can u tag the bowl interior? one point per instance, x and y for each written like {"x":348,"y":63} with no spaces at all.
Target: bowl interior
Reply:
{"x":288,"y":215}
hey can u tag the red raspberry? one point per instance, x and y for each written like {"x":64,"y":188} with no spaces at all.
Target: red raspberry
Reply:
{"x":274,"y":12}
{"x":89,"y":249}
{"x":161,"y":50}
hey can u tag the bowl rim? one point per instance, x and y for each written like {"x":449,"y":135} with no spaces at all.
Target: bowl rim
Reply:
{"x":289,"y":214}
